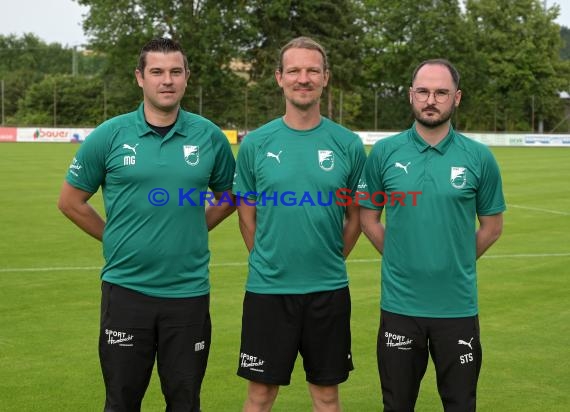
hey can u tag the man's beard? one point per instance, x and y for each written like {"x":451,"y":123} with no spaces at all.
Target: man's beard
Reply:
{"x":432,"y":123}
{"x":304,"y":106}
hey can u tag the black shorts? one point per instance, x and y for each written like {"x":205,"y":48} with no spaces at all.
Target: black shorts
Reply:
{"x":136,"y":329}
{"x":404,"y":345}
{"x":277,"y":327}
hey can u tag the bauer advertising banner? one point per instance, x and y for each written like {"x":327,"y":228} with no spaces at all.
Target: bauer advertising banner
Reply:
{"x":52,"y":134}
{"x":62,"y":135}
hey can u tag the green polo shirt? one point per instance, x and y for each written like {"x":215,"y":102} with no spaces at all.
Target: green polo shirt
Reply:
{"x":293,"y":176}
{"x":428,"y":265}
{"x":155,"y":239}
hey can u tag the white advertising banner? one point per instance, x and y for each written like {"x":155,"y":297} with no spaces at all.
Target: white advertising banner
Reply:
{"x":491,"y":139}
{"x":78,"y":135}
{"x":51,"y":134}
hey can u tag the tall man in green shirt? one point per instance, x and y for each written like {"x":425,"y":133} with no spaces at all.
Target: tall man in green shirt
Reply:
{"x":297,"y":298}
{"x":430,"y":244}
{"x":154,"y":166}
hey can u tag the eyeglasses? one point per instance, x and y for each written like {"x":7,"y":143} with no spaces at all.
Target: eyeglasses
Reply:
{"x":440,"y":96}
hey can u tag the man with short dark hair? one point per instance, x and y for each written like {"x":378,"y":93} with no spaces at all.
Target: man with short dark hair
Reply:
{"x":429,"y":246}
{"x":154,"y":166}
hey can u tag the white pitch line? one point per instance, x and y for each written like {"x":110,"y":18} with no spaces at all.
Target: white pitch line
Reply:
{"x":227,"y":264}
{"x":50,"y":269}
{"x":526,"y":255}
{"x":538,"y":209}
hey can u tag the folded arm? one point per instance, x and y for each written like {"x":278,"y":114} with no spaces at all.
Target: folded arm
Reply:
{"x":490,"y":229}
{"x":73,"y":203}
{"x":218,"y":211}
{"x":247,"y":223}
{"x":351,"y":230}
{"x":372,"y":227}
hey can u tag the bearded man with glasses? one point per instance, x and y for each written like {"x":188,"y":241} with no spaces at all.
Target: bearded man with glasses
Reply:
{"x":429,"y":278}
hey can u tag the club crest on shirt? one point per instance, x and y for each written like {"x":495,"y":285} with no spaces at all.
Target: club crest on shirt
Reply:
{"x":326,"y":160}
{"x":458,"y":177}
{"x":191,"y":154}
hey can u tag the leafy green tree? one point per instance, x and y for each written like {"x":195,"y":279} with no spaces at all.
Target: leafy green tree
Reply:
{"x":272,"y":23}
{"x":399,"y":35}
{"x":26,"y":60}
{"x":62,"y":101}
{"x":513,"y":59}
{"x":506,"y":51}
{"x":519,"y":63}
{"x":565,"y":34}
{"x":210,"y":32}
{"x":30,"y":52}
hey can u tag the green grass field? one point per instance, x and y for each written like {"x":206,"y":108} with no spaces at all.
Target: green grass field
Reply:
{"x":50,"y":290}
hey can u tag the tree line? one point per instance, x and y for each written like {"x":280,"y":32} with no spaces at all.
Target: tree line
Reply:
{"x":513,"y":58}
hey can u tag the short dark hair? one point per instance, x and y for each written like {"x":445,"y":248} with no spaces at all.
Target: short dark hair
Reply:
{"x":161,"y":45}
{"x":442,"y":62}
{"x":303,"y":43}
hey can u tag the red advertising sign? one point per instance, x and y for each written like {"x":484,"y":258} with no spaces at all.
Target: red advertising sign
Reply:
{"x":8,"y":134}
